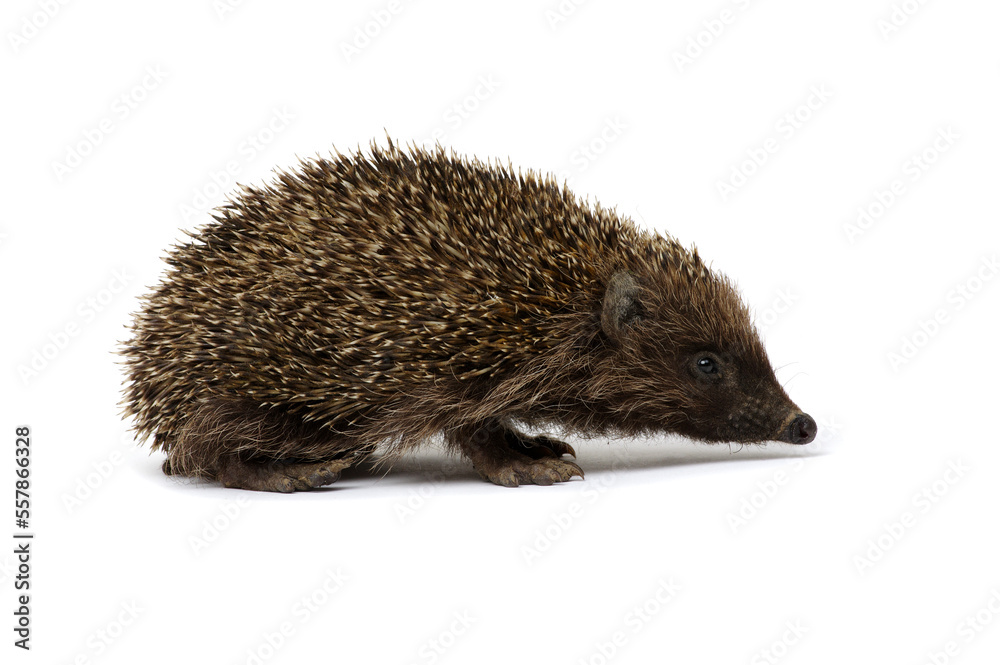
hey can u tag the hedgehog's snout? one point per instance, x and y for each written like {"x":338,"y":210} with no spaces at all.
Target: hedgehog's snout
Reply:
{"x":801,"y":430}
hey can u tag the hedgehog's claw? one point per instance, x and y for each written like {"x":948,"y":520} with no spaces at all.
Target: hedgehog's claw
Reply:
{"x":279,"y":476}
{"x":506,"y":457}
{"x":537,"y":447}
{"x":545,"y":471}
{"x":312,"y":476}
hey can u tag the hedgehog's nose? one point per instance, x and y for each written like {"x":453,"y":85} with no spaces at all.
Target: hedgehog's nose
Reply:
{"x":801,"y":430}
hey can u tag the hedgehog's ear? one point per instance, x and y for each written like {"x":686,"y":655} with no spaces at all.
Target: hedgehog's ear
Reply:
{"x":622,"y":306}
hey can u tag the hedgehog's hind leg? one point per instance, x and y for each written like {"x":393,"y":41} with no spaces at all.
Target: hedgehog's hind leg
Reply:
{"x":164,"y":441}
{"x":245,"y":445}
{"x":277,"y":476}
{"x":506,"y":457}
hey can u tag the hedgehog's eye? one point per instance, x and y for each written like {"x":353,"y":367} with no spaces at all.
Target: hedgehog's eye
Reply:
{"x":707,"y":365}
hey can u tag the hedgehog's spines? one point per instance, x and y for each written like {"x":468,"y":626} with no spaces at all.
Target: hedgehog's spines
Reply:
{"x":390,"y":296}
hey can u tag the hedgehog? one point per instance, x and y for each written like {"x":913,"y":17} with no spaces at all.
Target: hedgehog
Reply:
{"x":361,"y":305}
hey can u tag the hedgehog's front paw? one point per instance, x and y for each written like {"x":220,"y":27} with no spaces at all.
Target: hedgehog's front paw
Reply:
{"x":537,"y":447}
{"x":544,"y":471}
{"x":506,"y":457}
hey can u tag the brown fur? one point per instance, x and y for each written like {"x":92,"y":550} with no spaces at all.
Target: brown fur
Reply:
{"x":378,"y":301}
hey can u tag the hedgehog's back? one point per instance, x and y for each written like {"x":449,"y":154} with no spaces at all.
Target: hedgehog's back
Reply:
{"x":355,"y":280}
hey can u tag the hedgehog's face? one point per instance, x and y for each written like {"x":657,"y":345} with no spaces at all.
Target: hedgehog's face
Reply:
{"x":732,"y":396}
{"x":698,"y":370}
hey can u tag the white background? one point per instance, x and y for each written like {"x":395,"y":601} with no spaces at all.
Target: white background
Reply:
{"x":120,"y":120}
